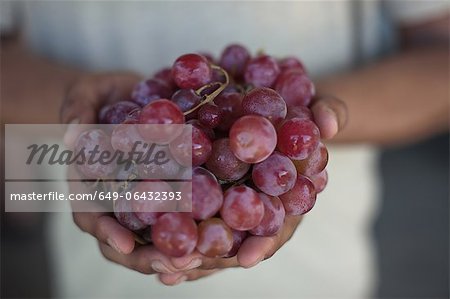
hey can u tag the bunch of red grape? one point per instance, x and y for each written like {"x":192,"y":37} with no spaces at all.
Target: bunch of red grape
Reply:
{"x":256,"y":151}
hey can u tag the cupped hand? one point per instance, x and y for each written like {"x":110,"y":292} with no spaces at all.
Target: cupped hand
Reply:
{"x":330,"y":115}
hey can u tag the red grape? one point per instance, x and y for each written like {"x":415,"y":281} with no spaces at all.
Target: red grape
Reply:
{"x":252,"y":138}
{"x":125,"y":136}
{"x":209,"y":115}
{"x":117,"y":113}
{"x":289,"y":63}
{"x":191,"y":148}
{"x":208,"y":131}
{"x":161,"y":165}
{"x":90,"y":142}
{"x":298,"y":138}
{"x":320,"y":180}
{"x":191,"y":71}
{"x":315,"y":163}
{"x":275,"y":175}
{"x":242,"y":208}
{"x":273,"y":218}
{"x":215,"y":238}
{"x":300,"y":199}
{"x":295,"y":88}
{"x":175,"y":234}
{"x":233,"y":60}
{"x":224,"y":164}
{"x":146,"y":208}
{"x":165,"y":75}
{"x":261,"y":71}
{"x":230,"y":105}
{"x":150,"y":90}
{"x":238,"y":238}
{"x":265,"y":102}
{"x":301,"y":112}
{"x":187,"y":99}
{"x":166,"y":115}
{"x":125,"y":216}
{"x":205,"y":194}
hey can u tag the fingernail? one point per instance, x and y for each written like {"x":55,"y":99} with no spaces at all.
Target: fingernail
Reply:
{"x":180,"y":280}
{"x":113,"y":245}
{"x":195,"y":263}
{"x":258,"y":260}
{"x":160,"y":267}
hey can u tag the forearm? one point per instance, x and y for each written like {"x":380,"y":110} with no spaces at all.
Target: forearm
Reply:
{"x":32,"y":88}
{"x":400,"y":99}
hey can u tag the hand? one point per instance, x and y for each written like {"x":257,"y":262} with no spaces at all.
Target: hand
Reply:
{"x":330,"y":114}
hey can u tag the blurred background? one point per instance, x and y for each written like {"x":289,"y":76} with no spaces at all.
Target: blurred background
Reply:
{"x":379,"y":230}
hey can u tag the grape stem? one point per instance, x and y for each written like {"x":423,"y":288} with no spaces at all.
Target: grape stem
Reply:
{"x":210,"y":97}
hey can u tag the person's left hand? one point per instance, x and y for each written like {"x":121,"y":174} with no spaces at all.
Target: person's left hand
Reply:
{"x":330,"y":115}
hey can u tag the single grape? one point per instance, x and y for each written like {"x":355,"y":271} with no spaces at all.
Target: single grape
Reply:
{"x":265,"y":102}
{"x":144,"y":203}
{"x":224,"y":164}
{"x":252,"y":138}
{"x":230,"y":105}
{"x":186,"y":99}
{"x":160,"y":121}
{"x":158,"y":163}
{"x":209,"y":115}
{"x":165,"y":75}
{"x":150,"y":90}
{"x":289,"y":63}
{"x":191,"y":71}
{"x":242,"y":208}
{"x":261,"y":71}
{"x":175,"y":234}
{"x":125,"y":137}
{"x":295,"y":88}
{"x":301,"y":112}
{"x":201,"y":147}
{"x":275,"y":175}
{"x":315,"y":163}
{"x":234,"y":59}
{"x":117,"y":113}
{"x":215,"y":238}
{"x":125,"y":216}
{"x":320,"y":180}
{"x":93,"y":143}
{"x":238,"y":238}
{"x":273,"y":218}
{"x":191,"y":148}
{"x":298,"y":138}
{"x":203,"y":194}
{"x":208,"y":131}
{"x":300,"y":199}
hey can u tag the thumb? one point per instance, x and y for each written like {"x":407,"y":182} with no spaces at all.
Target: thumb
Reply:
{"x":330,"y":115}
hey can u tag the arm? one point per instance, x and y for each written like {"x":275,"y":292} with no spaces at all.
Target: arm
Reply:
{"x":403,"y":98}
{"x":31,"y":84}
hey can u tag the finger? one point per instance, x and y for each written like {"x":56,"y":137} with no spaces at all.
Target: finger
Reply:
{"x":330,"y":114}
{"x":177,"y":278}
{"x":107,"y":230}
{"x":87,"y":95}
{"x":145,"y":259}
{"x":197,"y":260}
{"x":256,"y":249}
